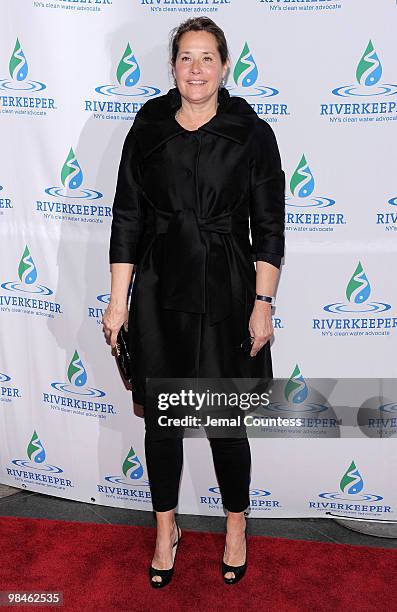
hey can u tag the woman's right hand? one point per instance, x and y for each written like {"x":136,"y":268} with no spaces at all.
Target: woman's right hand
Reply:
{"x":113,"y":318}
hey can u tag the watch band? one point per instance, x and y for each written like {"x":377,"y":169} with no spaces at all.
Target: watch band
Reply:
{"x":266,"y":298}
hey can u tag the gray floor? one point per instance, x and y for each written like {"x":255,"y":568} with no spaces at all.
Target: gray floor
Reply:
{"x":15,"y":502}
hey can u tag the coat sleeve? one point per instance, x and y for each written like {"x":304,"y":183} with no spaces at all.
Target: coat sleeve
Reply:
{"x":127,"y":222}
{"x":267,"y":198}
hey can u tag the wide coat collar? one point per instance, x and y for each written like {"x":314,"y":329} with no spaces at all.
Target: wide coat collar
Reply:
{"x":155,"y":122}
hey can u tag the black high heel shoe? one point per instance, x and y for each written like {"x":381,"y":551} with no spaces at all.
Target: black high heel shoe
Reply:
{"x":165,"y":574}
{"x":238,"y":570}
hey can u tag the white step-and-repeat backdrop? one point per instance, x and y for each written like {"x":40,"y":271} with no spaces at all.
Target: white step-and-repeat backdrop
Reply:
{"x":72,"y":75}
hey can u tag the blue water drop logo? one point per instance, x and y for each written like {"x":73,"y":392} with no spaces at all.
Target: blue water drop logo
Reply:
{"x":358,"y":288}
{"x":35,"y":450}
{"x":18,"y":65}
{"x":27,"y":271}
{"x":296,"y":390}
{"x":369,"y":69}
{"x":77,"y":374}
{"x":302,"y":180}
{"x":132,"y":467}
{"x":128,"y":71}
{"x":245,"y":72}
{"x":71,"y":173}
{"x":352,"y":481}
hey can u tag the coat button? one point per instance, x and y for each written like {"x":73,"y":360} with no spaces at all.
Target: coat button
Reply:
{"x":188,"y":172}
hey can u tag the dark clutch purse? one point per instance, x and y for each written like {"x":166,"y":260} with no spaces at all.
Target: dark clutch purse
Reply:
{"x":122,"y":353}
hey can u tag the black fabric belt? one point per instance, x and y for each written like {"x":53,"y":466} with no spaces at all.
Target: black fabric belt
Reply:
{"x":191,"y":278}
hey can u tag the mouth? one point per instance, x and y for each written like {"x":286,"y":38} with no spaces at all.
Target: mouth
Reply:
{"x":196,"y":83}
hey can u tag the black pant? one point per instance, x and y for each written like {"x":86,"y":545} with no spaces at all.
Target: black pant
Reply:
{"x":232,"y":462}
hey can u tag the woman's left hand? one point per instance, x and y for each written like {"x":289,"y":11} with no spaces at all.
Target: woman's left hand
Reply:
{"x":260,"y":326}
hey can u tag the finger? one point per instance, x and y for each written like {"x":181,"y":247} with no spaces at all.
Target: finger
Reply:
{"x":256,"y":347}
{"x":113,"y":339}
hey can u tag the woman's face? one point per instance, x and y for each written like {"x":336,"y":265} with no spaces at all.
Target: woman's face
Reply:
{"x":198,"y":67}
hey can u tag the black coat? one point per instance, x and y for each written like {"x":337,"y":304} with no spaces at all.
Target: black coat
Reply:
{"x":181,"y":214}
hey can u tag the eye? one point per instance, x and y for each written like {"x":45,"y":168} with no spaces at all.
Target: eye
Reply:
{"x":208,"y":57}
{"x":184,"y":57}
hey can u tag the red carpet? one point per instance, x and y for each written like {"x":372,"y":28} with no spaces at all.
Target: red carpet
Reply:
{"x":104,"y":567}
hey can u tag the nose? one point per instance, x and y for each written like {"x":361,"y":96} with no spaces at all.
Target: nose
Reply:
{"x":195,"y":66}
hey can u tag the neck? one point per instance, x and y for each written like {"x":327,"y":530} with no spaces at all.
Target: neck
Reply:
{"x":197,"y":113}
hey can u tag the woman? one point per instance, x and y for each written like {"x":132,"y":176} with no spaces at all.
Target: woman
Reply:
{"x":196,"y":165}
